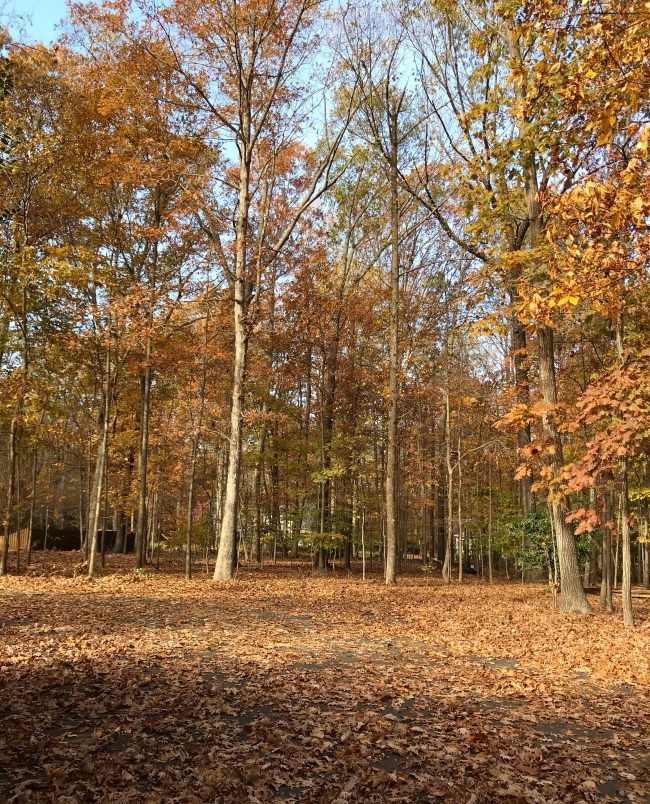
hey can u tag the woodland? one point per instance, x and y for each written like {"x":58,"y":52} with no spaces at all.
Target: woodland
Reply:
{"x":324,"y":402}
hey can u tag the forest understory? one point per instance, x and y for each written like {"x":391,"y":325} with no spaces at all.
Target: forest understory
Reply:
{"x":286,"y":686}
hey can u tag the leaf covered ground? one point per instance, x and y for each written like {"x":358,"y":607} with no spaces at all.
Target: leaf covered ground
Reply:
{"x":282,"y":686}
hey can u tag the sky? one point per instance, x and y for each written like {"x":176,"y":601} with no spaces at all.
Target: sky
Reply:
{"x":39,"y":18}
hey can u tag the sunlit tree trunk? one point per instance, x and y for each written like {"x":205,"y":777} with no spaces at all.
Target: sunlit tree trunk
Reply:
{"x":573,"y":598}
{"x":393,"y":358}
{"x":227,"y":554}
{"x":195,"y":442}
{"x":100,"y":465}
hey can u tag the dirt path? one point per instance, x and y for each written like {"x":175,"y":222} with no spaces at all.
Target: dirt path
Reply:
{"x":291,"y":688}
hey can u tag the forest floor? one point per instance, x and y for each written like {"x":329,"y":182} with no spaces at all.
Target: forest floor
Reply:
{"x":281,"y":686}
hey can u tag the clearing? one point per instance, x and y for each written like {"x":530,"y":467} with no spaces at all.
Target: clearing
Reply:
{"x":281,"y":686}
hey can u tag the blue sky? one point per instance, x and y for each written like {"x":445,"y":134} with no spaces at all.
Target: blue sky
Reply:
{"x":39,"y":18}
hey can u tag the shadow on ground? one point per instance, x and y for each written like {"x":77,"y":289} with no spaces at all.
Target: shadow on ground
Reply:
{"x":286,"y":689}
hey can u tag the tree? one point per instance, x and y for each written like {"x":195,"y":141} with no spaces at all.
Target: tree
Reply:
{"x":252,"y":57}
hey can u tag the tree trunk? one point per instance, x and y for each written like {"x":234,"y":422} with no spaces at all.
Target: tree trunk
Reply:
{"x":100,"y":466}
{"x":646,"y":556}
{"x":82,"y":534}
{"x":120,"y":518}
{"x":276,"y":522}
{"x":519,"y":350}
{"x":446,"y":567}
{"x":227,"y":554}
{"x":195,"y":440}
{"x":190,"y":507}
{"x":459,"y":509}
{"x":11,"y":484}
{"x":118,"y":529}
{"x":32,"y":506}
{"x":441,"y":501}
{"x":145,"y":393}
{"x":305,"y":427}
{"x":606,"y":558}
{"x":573,"y":598}
{"x":626,"y":550}
{"x":330,"y":377}
{"x":490,"y":521}
{"x":257,"y":489}
{"x":393,"y":360}
{"x":104,"y":511}
{"x":96,"y":495}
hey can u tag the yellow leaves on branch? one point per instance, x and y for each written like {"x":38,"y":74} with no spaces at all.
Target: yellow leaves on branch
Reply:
{"x":563,"y":301}
{"x":604,"y":124}
{"x":540,"y":308}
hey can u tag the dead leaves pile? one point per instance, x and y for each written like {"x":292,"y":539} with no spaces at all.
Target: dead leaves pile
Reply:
{"x":284,"y":687}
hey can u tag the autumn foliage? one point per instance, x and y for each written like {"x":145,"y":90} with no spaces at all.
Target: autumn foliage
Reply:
{"x":303,"y":297}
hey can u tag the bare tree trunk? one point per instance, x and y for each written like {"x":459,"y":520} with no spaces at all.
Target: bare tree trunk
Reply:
{"x":195,"y":441}
{"x":82,"y":534}
{"x":459,"y":509}
{"x":227,"y":554}
{"x":519,"y":349}
{"x":349,"y":542}
{"x":645,"y":579}
{"x":47,"y":505}
{"x":104,"y":512}
{"x":11,"y":484}
{"x":257,"y":491}
{"x":490,"y":521}
{"x":441,"y":501}
{"x":446,"y":567}
{"x":190,"y":507}
{"x":363,"y":542}
{"x":18,"y":513}
{"x":276,"y":523}
{"x":305,"y":427}
{"x":606,"y":558}
{"x":32,"y":505}
{"x":89,"y":473}
{"x":626,"y":584}
{"x":100,"y":465}
{"x":96,"y":497}
{"x":145,"y":394}
{"x":616,"y":548}
{"x":393,"y":357}
{"x":119,"y":518}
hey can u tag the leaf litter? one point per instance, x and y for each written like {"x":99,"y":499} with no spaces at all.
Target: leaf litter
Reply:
{"x":281,"y":686}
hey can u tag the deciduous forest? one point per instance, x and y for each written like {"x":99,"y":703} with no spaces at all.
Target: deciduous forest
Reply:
{"x":324,"y":402}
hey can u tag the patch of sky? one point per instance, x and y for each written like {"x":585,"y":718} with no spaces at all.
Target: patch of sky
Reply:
{"x":33,"y":20}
